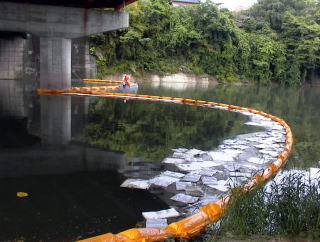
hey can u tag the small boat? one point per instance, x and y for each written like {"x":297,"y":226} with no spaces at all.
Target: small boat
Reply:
{"x":133,"y":88}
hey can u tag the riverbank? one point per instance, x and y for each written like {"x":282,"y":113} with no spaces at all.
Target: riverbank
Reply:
{"x":178,"y":81}
{"x":182,"y":81}
{"x":203,"y":39}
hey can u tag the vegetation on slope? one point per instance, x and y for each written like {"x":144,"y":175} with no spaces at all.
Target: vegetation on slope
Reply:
{"x":275,"y":40}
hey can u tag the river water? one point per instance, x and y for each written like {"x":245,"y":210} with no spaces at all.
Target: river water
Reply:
{"x":71,"y":154}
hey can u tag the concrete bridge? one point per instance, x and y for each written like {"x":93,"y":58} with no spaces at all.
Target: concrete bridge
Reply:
{"x":56,"y":23}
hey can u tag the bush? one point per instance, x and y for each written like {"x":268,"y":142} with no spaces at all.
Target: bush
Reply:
{"x":290,"y":208}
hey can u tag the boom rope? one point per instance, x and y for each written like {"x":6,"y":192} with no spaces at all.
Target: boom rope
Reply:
{"x":211,"y":212}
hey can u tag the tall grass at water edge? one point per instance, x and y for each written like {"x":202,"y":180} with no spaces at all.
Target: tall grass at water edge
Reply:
{"x":289,"y":208}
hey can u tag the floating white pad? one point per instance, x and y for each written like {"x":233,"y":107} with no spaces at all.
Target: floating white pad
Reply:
{"x":181,"y":150}
{"x":262,"y":135}
{"x":180,"y":197}
{"x":314,"y":173}
{"x":209,"y":180}
{"x":220,"y":107}
{"x":167,"y":213}
{"x":208,"y":164}
{"x":173,"y":161}
{"x":136,"y":183}
{"x":182,"y":185}
{"x":221,"y":156}
{"x":252,"y":167}
{"x":194,"y":190}
{"x":241,"y":174}
{"x":195,"y":166}
{"x":194,"y":152}
{"x":239,"y":147}
{"x":179,"y":155}
{"x":191,"y":177}
{"x":262,"y":146}
{"x":172,"y":174}
{"x":253,"y":123}
{"x":230,"y":141}
{"x":207,"y":172}
{"x":269,"y":152}
{"x":232,"y":152}
{"x":163,"y":181}
{"x":222,"y":185}
{"x":156,"y":223}
{"x":254,"y":139}
{"x":256,"y":160}
{"x":189,"y":167}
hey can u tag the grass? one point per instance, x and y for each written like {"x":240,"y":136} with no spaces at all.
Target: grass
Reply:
{"x":290,"y":209}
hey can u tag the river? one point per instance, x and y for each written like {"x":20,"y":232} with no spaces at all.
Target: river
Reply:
{"x":71,"y":154}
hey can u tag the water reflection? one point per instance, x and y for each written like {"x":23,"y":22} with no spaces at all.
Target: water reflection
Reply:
{"x":55,"y":119}
{"x":13,"y":101}
{"x":299,"y":106}
{"x":71,"y":154}
{"x":151,"y":129}
{"x":74,"y":189}
{"x":180,"y":82}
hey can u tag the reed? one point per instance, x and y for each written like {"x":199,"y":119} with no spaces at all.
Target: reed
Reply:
{"x":290,"y":208}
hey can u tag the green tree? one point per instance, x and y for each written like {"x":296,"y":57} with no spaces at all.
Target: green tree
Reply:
{"x":277,"y":40}
{"x":301,"y":37}
{"x":272,"y":11}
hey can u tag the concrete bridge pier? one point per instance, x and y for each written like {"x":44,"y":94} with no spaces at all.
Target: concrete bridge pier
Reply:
{"x":56,"y":26}
{"x":83,"y":64}
{"x":55,"y":63}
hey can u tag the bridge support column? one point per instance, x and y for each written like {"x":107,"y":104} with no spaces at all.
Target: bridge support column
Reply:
{"x":55,"y":120}
{"x":56,"y":26}
{"x":55,"y":63}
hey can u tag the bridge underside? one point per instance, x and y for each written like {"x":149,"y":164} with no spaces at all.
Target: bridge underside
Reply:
{"x":115,"y":4}
{"x":56,"y":26}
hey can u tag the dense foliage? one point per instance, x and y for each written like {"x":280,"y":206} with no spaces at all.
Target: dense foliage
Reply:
{"x":275,"y":40}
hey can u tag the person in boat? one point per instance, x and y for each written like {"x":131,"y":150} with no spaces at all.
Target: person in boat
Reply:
{"x":126,"y":81}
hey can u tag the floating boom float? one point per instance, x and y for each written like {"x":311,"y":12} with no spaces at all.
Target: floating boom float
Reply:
{"x":101,"y":81}
{"x":211,"y":212}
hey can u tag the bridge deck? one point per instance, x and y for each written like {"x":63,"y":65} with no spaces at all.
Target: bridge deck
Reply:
{"x":115,"y":4}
